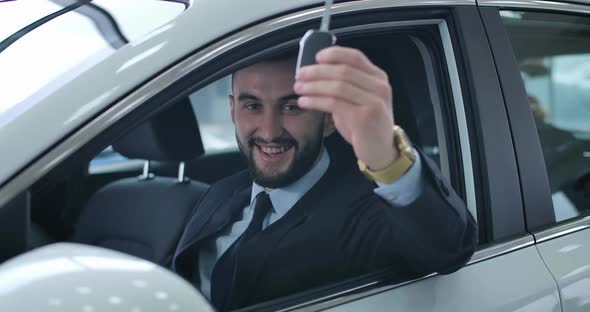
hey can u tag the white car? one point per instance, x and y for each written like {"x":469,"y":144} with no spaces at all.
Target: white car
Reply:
{"x":88,"y":88}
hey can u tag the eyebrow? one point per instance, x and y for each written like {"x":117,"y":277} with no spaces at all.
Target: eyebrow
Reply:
{"x":247,"y":96}
{"x":288,"y":97}
{"x":282,"y":99}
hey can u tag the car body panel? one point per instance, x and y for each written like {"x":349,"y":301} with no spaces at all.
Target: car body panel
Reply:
{"x":568,"y":258}
{"x":562,"y":246}
{"x":518,"y":281}
{"x":74,"y":277}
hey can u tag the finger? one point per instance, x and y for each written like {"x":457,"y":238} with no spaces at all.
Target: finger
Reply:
{"x":337,"y":89}
{"x":369,"y":83}
{"x":349,"y":56}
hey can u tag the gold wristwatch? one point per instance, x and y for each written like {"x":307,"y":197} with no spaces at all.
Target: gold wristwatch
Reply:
{"x":396,"y":169}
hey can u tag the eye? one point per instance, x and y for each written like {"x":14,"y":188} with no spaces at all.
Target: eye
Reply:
{"x":289,"y":107}
{"x":252,"y":106}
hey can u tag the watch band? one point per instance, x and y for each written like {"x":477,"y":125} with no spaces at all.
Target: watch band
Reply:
{"x":396,"y":169}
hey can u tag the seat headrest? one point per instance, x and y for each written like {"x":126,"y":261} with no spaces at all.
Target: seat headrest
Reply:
{"x":172,"y":135}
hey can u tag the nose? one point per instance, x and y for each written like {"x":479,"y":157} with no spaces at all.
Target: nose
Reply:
{"x":270,"y":126}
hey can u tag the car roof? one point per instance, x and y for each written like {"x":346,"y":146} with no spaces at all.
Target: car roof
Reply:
{"x":37,"y":127}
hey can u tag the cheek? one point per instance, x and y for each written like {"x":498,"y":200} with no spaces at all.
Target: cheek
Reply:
{"x":303,"y":127}
{"x":244,"y":124}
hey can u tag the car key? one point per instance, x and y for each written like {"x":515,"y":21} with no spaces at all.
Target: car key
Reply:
{"x":315,"y":40}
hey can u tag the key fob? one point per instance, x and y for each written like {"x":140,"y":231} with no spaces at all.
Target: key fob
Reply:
{"x":311,"y":43}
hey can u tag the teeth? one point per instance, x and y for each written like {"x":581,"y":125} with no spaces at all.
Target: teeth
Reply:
{"x":273,"y":150}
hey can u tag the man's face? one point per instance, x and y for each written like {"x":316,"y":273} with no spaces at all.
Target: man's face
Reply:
{"x":280,"y":141}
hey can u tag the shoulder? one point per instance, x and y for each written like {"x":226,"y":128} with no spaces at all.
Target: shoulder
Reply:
{"x":223,"y":189}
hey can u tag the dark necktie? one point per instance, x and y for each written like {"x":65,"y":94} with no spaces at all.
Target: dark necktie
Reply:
{"x":223,"y":276}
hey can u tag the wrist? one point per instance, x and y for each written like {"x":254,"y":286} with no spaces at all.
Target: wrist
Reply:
{"x":382,"y":155}
{"x":391,"y":156}
{"x":402,"y":159}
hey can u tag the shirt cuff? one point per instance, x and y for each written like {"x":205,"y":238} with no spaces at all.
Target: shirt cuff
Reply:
{"x":406,"y":189}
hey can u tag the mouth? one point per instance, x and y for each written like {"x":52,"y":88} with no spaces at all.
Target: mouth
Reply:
{"x":273,"y":152}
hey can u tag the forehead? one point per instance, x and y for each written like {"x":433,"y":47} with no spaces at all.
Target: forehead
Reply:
{"x":266,"y":78}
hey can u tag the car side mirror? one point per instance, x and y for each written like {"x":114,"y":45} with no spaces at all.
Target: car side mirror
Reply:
{"x":75,"y":277}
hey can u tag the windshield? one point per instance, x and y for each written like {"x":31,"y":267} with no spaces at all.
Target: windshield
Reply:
{"x":57,"y":51}
{"x":18,"y":14}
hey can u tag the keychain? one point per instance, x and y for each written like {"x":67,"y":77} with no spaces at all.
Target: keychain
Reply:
{"x":315,"y":40}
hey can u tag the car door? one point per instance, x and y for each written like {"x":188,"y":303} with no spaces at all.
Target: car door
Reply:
{"x":507,"y":273}
{"x":544,"y":51}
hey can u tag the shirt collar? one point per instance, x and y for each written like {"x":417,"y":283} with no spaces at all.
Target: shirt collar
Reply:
{"x":284,"y":198}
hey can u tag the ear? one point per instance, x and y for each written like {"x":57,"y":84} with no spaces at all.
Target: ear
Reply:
{"x":232,"y":106}
{"x":329,"y":126}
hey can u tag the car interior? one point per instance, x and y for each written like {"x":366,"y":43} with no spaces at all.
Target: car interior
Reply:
{"x":118,"y":214}
{"x":141,"y":210}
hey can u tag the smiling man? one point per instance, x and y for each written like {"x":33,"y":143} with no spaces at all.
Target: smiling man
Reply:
{"x":298,"y":218}
{"x":280,"y":141}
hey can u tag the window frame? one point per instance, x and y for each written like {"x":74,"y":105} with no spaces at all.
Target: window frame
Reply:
{"x":538,"y":204}
{"x":500,"y":198}
{"x":466,"y":42}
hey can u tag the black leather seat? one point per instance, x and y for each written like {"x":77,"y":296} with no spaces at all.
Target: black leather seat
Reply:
{"x":144,"y":216}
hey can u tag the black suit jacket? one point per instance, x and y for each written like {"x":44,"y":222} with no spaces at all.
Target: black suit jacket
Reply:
{"x":339,"y":229}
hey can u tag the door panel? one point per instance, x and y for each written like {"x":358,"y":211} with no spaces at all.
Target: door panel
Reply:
{"x":518,"y":281}
{"x":568,"y":258}
{"x":543,"y":57}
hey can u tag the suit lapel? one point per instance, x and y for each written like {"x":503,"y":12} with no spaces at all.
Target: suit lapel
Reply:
{"x":211,"y":216}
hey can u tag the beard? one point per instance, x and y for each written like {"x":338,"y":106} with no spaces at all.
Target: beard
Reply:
{"x":304,"y":157}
